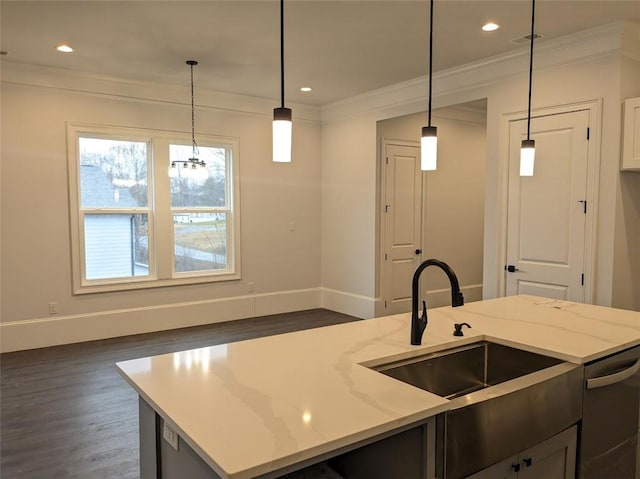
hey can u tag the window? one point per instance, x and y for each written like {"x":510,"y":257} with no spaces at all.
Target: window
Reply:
{"x":200,"y":211}
{"x":136,"y":226}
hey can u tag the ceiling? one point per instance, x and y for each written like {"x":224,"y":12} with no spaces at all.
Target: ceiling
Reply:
{"x":340,"y":48}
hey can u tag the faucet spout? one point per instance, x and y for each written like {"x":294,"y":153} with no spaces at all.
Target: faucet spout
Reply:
{"x":419,"y":323}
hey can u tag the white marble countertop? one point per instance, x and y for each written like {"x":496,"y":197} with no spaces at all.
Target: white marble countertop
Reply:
{"x":252,"y":407}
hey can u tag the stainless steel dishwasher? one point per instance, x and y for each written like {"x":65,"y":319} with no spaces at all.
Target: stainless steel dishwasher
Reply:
{"x":609,"y":435}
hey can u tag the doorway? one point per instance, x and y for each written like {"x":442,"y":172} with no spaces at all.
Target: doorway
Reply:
{"x":437,"y":214}
{"x":548,"y":214}
{"x":402,"y":211}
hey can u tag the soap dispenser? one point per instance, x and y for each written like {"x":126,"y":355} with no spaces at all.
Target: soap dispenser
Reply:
{"x":458,"y":328}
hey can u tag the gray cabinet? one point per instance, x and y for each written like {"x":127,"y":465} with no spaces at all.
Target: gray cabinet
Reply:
{"x":409,"y":454}
{"x":375,"y":458}
{"x":554,"y":458}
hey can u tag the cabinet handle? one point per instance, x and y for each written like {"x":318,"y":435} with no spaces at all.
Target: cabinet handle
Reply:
{"x":515,"y":467}
{"x":527,"y":461}
{"x":610,"y":379}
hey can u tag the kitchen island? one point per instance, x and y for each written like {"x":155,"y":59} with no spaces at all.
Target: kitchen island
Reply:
{"x":268,"y":406}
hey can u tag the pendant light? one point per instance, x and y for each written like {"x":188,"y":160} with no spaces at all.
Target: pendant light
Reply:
{"x":282,"y":115}
{"x":192,"y":167}
{"x":528,"y":149}
{"x":429,"y":139}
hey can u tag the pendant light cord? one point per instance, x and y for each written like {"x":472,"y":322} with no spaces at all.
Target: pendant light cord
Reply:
{"x":430,"y":56}
{"x":282,"y":51}
{"x":194,"y":145}
{"x":533,"y":20}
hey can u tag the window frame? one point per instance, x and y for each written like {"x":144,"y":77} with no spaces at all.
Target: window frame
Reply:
{"x":161,"y":248}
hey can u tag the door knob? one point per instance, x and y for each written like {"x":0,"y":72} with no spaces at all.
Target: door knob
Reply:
{"x":418,"y":251}
{"x":515,"y":467}
{"x":511,"y":268}
{"x":527,"y":461}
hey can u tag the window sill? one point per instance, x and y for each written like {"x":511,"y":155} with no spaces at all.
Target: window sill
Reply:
{"x":146,"y":283}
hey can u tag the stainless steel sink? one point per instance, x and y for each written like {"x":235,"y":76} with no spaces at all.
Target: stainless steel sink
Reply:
{"x":503,"y":400}
{"x":456,"y":372}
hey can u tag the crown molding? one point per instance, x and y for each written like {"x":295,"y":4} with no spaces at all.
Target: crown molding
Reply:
{"x":578,"y":47}
{"x":465,"y":113}
{"x":60,"y":79}
{"x":617,"y":37}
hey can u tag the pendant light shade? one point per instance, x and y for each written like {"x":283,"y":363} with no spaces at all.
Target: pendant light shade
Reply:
{"x":527,"y":157}
{"x":282,"y":125}
{"x":528,"y":148}
{"x":429,"y":137}
{"x":282,"y":135}
{"x":429,"y":148}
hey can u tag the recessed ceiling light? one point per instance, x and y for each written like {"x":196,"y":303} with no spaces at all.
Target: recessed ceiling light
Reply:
{"x":64,"y":48}
{"x":490,"y":27}
{"x":306,"y":89}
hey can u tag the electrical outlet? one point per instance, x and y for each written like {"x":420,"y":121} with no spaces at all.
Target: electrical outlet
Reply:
{"x":170,"y":436}
{"x":53,"y":308}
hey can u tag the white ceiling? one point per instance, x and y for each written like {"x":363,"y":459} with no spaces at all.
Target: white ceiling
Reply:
{"x":340,"y":48}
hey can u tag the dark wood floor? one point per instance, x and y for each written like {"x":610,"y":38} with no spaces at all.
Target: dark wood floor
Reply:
{"x":65,"y":412}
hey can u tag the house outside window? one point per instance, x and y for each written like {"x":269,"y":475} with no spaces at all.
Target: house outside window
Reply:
{"x":134,"y":226}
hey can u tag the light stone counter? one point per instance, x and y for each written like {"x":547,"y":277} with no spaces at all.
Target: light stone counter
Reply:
{"x":252,"y":407}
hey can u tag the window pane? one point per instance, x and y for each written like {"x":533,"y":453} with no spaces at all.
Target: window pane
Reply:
{"x":204,"y":187}
{"x":200,"y":241}
{"x":113,"y":173}
{"x":116,"y":246}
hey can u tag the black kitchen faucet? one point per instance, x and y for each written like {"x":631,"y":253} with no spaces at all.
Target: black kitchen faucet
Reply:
{"x":419,"y":323}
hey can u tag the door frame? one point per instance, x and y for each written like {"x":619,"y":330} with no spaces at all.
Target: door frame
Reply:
{"x":594,"y":107}
{"x":383,"y":280}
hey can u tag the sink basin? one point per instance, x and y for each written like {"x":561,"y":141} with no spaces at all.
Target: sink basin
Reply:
{"x":503,"y":400}
{"x":460,"y":371}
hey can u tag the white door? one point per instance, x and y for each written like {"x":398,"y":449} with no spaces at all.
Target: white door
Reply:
{"x":402,"y":217}
{"x":547,"y":212}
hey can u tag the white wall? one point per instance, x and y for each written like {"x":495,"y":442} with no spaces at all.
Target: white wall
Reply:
{"x":626,"y":290}
{"x":453,"y":209}
{"x":579,"y":68}
{"x":330,"y":192}
{"x":348,"y":216}
{"x":283,"y":265}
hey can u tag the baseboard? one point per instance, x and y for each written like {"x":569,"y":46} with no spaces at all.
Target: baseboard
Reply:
{"x":347,"y":303}
{"x":442,"y":297}
{"x":287,"y":301}
{"x":58,"y":330}
{"x":437,"y":298}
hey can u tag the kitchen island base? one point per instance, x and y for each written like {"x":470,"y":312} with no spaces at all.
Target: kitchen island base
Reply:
{"x":374,"y":459}
{"x":274,"y":406}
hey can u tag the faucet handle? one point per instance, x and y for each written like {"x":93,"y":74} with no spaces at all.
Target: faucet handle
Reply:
{"x":424,"y":309}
